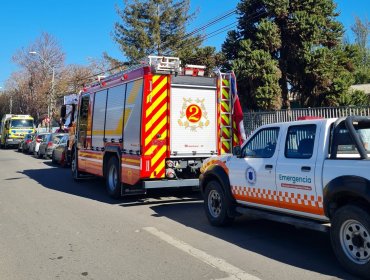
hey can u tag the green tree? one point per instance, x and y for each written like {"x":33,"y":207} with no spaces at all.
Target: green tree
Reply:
{"x":154,"y":27}
{"x":354,"y":98}
{"x":300,"y":38}
{"x":262,"y":74}
{"x":361,"y":30}
{"x":206,"y":56}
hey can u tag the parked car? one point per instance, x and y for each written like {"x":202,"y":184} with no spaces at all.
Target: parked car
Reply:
{"x":59,"y":154}
{"x":35,"y":144}
{"x":48,"y":144}
{"x":25,"y":143}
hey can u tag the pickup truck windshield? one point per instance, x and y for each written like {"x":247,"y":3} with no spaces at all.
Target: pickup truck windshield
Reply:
{"x":21,"y":123}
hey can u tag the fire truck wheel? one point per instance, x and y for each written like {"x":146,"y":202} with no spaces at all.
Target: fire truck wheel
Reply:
{"x":350,"y":239}
{"x":53,"y":160}
{"x":75,"y":173}
{"x":217,"y":205}
{"x":113,"y":178}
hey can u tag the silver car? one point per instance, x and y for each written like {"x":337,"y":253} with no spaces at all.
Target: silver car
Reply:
{"x":48,"y":144}
{"x":35,"y":144}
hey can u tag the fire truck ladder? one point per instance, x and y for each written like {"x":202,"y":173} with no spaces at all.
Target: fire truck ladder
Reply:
{"x":226,"y":130}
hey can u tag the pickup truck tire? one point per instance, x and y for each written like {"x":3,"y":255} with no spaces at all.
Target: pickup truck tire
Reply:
{"x":217,"y":205}
{"x":113,"y":178}
{"x":350,"y":238}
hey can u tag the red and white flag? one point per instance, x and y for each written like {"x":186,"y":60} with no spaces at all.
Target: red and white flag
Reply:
{"x":237,"y":112}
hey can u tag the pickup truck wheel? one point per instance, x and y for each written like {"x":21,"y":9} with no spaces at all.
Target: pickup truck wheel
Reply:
{"x":113,"y":178}
{"x":350,"y":238}
{"x":217,"y":205}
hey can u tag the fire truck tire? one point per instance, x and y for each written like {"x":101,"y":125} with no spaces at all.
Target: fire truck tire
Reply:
{"x":113,"y":178}
{"x":217,"y":205}
{"x":74,"y":168}
{"x":53,"y":160}
{"x":350,"y":238}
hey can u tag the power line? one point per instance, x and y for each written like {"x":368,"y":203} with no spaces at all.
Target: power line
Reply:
{"x":195,"y":31}
{"x":182,"y":41}
{"x":210,"y":23}
{"x":205,"y":26}
{"x":219,"y":31}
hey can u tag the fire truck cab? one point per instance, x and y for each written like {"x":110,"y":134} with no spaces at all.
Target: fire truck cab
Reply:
{"x":151,"y":126}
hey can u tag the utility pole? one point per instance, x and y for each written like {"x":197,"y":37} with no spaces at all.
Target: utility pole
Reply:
{"x":11,"y":104}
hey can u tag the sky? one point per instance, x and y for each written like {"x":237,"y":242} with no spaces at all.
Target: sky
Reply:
{"x":83,"y":28}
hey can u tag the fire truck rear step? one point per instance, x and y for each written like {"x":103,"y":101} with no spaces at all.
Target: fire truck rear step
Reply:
{"x":171,"y":183}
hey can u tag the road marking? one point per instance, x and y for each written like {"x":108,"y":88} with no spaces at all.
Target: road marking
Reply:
{"x":234,"y":272}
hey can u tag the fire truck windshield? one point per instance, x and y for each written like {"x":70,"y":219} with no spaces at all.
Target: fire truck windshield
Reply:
{"x":21,"y":123}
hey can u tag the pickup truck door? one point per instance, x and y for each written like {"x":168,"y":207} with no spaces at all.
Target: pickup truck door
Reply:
{"x":295,"y":171}
{"x":252,"y":175}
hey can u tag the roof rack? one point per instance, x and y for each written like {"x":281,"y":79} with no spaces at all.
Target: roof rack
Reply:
{"x":164,"y":64}
{"x":106,"y":79}
{"x":158,"y":64}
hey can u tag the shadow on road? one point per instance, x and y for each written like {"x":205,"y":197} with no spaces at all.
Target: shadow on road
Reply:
{"x":301,"y":248}
{"x":60,"y":179}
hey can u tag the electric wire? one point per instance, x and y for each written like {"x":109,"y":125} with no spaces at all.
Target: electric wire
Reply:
{"x":183,"y":43}
{"x":195,"y":31}
{"x":220,"y":30}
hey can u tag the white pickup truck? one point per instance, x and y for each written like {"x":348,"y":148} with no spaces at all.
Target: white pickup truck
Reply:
{"x":312,"y":173}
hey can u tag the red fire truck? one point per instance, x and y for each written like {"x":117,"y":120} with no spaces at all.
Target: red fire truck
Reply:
{"x":151,"y":126}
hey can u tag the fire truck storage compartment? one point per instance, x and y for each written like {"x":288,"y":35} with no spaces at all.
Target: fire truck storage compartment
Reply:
{"x":97,"y":138}
{"x":132,"y":117}
{"x":193,"y":119}
{"x":116,"y":115}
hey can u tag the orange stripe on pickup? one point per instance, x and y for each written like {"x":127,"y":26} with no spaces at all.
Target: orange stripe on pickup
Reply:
{"x":286,"y":200}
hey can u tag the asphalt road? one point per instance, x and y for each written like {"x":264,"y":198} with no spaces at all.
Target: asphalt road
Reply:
{"x":54,"y":228}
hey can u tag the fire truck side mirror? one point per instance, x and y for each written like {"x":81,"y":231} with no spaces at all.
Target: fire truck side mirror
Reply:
{"x":63,"y":111}
{"x":237,"y":151}
{"x":73,"y":113}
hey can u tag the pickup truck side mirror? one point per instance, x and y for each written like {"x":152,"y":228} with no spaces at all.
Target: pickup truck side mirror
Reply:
{"x":237,"y":151}
{"x":63,"y":111}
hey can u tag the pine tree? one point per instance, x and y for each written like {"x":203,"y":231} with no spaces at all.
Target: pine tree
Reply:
{"x":205,"y":56}
{"x":301,"y":38}
{"x":154,"y":27}
{"x":361,"y":30}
